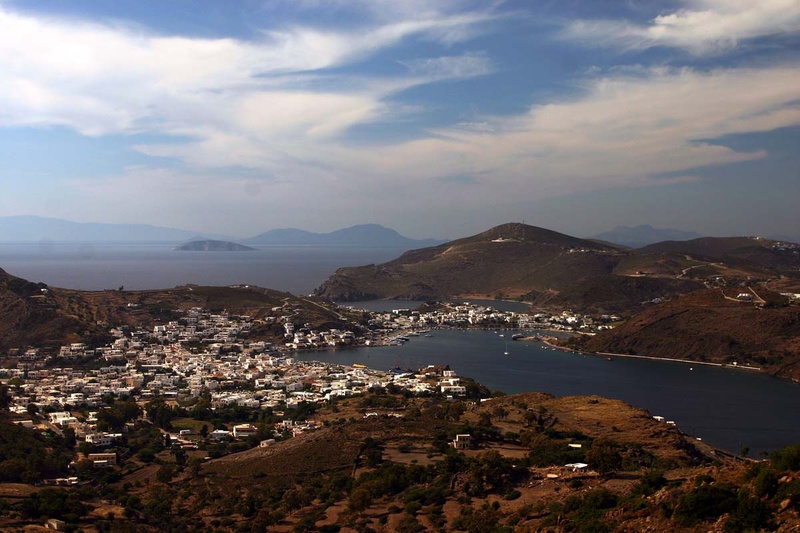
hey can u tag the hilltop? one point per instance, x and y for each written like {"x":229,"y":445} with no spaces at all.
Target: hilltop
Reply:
{"x":557,"y":271}
{"x":508,"y":261}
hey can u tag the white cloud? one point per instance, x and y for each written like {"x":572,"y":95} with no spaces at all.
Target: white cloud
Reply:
{"x":102,"y":79}
{"x":624,"y":130}
{"x":704,"y":26}
{"x":451,"y":67}
{"x":269,"y":106}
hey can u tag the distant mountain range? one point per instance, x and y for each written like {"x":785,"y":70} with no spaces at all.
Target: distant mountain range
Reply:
{"x":35,"y":229}
{"x":642,"y":235}
{"x":360,"y":235}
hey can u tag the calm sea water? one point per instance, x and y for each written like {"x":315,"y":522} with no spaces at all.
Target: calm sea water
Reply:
{"x":730,"y":409}
{"x":93,"y":266}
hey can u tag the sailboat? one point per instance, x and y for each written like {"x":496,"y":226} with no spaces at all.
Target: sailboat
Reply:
{"x":506,"y":352}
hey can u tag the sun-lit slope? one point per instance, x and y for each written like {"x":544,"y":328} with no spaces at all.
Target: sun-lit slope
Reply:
{"x":511,"y":260}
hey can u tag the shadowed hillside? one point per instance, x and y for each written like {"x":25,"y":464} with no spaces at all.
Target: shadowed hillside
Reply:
{"x":556,"y":271}
{"x":512,"y":260}
{"x":707,"y":326}
{"x":34,"y":314}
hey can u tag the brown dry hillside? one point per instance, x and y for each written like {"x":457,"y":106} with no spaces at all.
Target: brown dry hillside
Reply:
{"x":511,"y":260}
{"x":553,"y":270}
{"x":706,"y":326}
{"x":34,"y":314}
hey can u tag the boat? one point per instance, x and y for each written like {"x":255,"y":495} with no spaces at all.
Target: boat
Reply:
{"x":359,"y":365}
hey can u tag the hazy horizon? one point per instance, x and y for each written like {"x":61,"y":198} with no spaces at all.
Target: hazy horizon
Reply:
{"x":436,"y":119}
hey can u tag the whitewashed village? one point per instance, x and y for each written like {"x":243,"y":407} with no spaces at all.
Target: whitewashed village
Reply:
{"x":206,"y":357}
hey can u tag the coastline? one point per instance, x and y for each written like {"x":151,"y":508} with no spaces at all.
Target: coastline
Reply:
{"x":653,"y":358}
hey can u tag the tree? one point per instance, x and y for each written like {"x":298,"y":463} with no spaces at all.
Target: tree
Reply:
{"x":165,"y":473}
{"x":180,"y":455}
{"x":604,"y":456}
{"x":5,"y":399}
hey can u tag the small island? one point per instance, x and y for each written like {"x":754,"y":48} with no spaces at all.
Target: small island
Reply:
{"x":213,"y":246}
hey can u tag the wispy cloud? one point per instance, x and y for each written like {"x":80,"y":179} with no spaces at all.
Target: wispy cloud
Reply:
{"x":99,"y":78}
{"x":468,"y":65}
{"x":625,"y":129}
{"x":702,"y":27}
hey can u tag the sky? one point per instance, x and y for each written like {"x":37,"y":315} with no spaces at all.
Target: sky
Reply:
{"x":438,"y":118}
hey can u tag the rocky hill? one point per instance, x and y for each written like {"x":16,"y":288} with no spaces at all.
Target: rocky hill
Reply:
{"x":34,"y":314}
{"x":553,"y":270}
{"x":511,"y":260}
{"x":712,"y":326}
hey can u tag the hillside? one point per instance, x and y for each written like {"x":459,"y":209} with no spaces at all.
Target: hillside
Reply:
{"x":534,"y":462}
{"x":712,"y":326}
{"x":556,"y":271}
{"x":512,"y":260}
{"x":34,"y":314}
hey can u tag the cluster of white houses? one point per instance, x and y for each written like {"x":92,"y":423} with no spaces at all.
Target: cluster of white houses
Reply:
{"x":204,"y":353}
{"x":470,"y":315}
{"x":149,"y":364}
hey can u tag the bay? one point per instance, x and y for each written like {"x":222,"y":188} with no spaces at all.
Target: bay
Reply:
{"x":730,"y":409}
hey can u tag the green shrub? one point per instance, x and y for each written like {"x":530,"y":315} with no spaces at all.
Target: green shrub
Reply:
{"x":786,"y":458}
{"x":705,"y":502}
{"x":650,"y":482}
{"x":751,"y":514}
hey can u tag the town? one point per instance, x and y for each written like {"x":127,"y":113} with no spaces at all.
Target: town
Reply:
{"x":205,"y":357}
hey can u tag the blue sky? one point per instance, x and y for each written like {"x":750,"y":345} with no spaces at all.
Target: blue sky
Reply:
{"x":439,"y":119}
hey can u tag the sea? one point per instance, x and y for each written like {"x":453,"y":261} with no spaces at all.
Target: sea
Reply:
{"x":730,"y":409}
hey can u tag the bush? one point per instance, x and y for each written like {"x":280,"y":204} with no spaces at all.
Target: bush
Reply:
{"x":786,"y":458}
{"x":751,"y":514}
{"x":650,"y":482}
{"x":706,"y":502}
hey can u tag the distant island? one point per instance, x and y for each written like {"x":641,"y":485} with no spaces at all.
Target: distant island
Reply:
{"x":213,"y":246}
{"x":360,"y":235}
